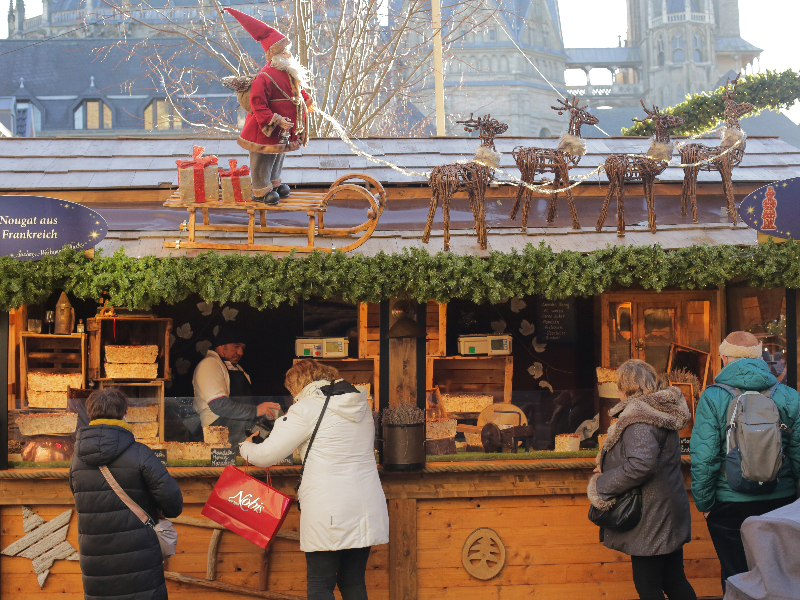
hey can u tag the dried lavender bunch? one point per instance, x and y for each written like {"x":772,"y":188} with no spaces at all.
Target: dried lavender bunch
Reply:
{"x":404,"y":414}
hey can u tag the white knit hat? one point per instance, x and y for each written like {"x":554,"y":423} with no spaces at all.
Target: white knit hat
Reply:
{"x":740,"y":344}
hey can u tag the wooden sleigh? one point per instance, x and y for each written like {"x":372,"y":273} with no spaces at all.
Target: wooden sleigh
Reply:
{"x":314,"y":204}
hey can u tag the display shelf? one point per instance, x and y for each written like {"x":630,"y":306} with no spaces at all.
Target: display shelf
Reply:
{"x":490,"y":375}
{"x":127,"y":331}
{"x":141,"y":393}
{"x":369,"y":331}
{"x":50,"y":353}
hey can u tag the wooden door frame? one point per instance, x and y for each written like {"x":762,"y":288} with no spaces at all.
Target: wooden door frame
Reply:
{"x":716,"y":316}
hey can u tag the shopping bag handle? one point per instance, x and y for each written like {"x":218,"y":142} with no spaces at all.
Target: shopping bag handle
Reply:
{"x":247,"y":471}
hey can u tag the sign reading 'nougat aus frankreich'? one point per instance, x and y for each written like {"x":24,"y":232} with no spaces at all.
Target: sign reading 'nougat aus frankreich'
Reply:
{"x":32,"y":227}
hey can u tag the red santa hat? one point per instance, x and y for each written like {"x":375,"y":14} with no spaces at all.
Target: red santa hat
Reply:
{"x":272,"y":40}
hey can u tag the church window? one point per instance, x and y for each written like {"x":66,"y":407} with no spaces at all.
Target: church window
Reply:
{"x":678,"y":54}
{"x":660,"y":52}
{"x":503,"y":64}
{"x":545,"y":38}
{"x":492,"y":34}
{"x":544,"y":132}
{"x":161,"y":115}
{"x":92,"y":114}
{"x":680,"y":94}
{"x":697,"y":44}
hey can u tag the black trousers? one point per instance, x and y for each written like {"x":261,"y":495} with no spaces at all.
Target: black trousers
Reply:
{"x":725,"y":526}
{"x":344,"y":568}
{"x":655,"y":575}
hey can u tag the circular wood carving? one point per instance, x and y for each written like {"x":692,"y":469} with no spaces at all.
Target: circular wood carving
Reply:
{"x":483,"y":554}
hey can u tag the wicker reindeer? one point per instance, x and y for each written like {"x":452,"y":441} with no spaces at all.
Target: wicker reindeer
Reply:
{"x":644,"y":168}
{"x":471,"y":177}
{"x":532,"y":161}
{"x":693,"y":153}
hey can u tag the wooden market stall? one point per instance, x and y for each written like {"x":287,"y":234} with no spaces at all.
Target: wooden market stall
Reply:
{"x":471,"y":526}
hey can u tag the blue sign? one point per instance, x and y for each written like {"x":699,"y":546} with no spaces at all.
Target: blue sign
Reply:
{"x":32,"y":227}
{"x":774,"y":209}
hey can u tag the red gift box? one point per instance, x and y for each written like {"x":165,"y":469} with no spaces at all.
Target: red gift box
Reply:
{"x":198,"y":179}
{"x":236,"y":183}
{"x":247,"y":506}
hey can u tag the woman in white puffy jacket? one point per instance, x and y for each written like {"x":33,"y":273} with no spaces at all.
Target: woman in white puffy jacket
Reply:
{"x":343,"y":506}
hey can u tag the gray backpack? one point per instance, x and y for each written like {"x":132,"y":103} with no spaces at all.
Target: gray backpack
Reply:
{"x":754,"y":444}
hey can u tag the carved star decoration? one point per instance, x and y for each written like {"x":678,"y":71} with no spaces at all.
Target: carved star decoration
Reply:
{"x":43,"y":543}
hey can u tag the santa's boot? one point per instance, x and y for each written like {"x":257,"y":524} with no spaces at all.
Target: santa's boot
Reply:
{"x":282,"y":189}
{"x":266,"y":196}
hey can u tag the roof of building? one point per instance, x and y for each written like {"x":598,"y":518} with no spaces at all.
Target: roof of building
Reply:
{"x":41,"y":163}
{"x":735,"y":44}
{"x":767,"y":123}
{"x":615,"y":56}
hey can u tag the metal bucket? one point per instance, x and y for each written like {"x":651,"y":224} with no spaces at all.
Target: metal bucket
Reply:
{"x":404,"y":447}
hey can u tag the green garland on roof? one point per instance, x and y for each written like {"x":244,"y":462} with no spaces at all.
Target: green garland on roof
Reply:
{"x":264,"y":281}
{"x":702,"y":112}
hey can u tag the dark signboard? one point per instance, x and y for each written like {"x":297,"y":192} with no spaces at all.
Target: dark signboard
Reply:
{"x":32,"y":227}
{"x":222,"y":457}
{"x":774,"y":209}
{"x":555,"y":320}
{"x":161,"y":455}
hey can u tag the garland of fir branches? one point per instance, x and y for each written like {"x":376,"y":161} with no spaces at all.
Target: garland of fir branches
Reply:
{"x":702,"y":112}
{"x":264,"y":281}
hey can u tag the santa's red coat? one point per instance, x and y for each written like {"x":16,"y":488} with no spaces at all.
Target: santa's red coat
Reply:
{"x":268,"y":103}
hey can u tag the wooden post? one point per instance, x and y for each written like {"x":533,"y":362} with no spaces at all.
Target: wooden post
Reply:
{"x":403,"y":549}
{"x":4,"y":386}
{"x":383,"y":399}
{"x":421,"y":362}
{"x":438,"y":66}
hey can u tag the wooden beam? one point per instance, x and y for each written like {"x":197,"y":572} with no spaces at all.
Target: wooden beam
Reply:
{"x":229,"y":587}
{"x":263,"y":573}
{"x":403,"y":549}
{"x":211,"y":560}
{"x":209,"y":524}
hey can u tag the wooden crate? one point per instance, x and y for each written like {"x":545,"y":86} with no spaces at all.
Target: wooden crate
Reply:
{"x":369,"y":334}
{"x":127,"y":331}
{"x":51,"y":354}
{"x":140,"y":393}
{"x":490,"y":375}
{"x":356,"y":370}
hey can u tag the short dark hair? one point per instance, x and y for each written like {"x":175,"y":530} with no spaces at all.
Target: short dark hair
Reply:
{"x":108,"y":403}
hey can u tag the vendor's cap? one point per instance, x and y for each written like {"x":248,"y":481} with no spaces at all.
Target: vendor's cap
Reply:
{"x":740,"y":344}
{"x":230,"y":335}
{"x":272,"y":40}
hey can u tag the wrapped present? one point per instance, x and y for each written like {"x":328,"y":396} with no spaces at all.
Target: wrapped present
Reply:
{"x":236,"y":184}
{"x":198,"y":179}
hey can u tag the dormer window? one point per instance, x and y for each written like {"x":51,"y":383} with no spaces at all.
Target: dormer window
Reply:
{"x":161,"y":115}
{"x":92,"y":114}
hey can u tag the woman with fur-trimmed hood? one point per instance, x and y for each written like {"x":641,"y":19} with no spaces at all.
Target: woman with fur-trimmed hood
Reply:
{"x":643,"y":450}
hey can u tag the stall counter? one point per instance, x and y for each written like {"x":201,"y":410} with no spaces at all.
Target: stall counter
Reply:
{"x":471,"y":530}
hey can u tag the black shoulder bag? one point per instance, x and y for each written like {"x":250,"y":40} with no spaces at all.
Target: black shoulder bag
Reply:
{"x":311,"y":441}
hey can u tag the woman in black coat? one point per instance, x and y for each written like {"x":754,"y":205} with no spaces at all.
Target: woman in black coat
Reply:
{"x":120,"y":556}
{"x":642,"y":450}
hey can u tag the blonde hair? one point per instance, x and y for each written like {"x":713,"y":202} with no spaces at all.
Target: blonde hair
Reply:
{"x":308,"y":371}
{"x":637,"y":378}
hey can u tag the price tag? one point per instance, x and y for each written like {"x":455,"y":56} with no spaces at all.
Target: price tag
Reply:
{"x":286,"y":462}
{"x":685,"y":445}
{"x":222,"y":457}
{"x":161,"y":454}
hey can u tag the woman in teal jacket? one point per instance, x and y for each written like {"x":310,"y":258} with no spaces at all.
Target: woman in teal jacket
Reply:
{"x":724,"y":508}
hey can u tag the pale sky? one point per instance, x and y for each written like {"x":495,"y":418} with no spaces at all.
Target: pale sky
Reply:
{"x":768,"y":24}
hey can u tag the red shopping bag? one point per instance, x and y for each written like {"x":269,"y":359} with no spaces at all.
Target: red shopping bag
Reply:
{"x":247,"y":506}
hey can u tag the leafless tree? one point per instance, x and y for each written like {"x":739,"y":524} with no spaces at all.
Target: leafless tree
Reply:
{"x":369,"y":58}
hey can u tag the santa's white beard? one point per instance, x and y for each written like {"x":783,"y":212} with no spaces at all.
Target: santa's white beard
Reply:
{"x":293,"y":67}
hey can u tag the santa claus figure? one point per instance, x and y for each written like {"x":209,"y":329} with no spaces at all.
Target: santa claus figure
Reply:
{"x":277,"y":116}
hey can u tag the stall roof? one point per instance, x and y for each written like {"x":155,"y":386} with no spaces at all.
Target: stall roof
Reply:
{"x":93,"y":164}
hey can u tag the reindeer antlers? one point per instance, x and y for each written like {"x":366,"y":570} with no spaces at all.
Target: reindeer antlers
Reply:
{"x":728,"y":92}
{"x":651,"y":114}
{"x":567,"y":106}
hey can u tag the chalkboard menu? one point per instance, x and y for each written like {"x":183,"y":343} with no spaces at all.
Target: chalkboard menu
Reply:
{"x":222,"y":457}
{"x":555,"y":320}
{"x":161,"y":454}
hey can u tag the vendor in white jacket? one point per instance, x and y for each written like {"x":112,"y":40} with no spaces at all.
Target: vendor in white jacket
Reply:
{"x":343,"y":506}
